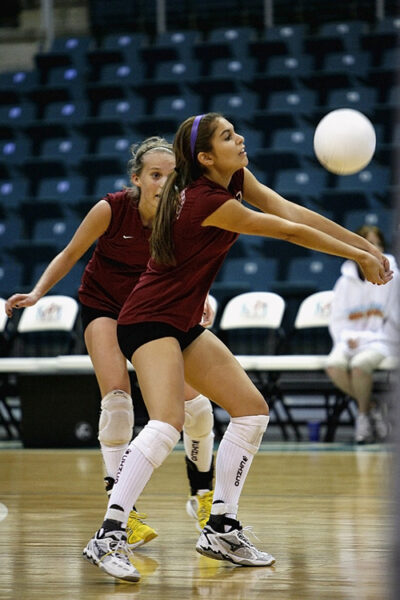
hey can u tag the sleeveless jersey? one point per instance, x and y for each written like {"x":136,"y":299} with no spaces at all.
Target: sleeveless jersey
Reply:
{"x":176,"y":294}
{"x":119,"y":258}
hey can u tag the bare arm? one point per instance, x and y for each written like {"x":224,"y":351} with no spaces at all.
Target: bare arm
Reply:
{"x":92,"y":227}
{"x":235,"y":217}
{"x":271,"y":202}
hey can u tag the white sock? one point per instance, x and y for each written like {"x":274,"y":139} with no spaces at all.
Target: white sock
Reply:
{"x":133,"y":475}
{"x":200,"y":450}
{"x":112,"y":456}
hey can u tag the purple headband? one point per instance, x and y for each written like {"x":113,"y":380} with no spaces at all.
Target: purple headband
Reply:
{"x":193,"y":133}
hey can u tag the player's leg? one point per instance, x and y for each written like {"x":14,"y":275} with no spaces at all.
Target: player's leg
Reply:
{"x":337,"y":369}
{"x":198,"y":438}
{"x":212,"y":369}
{"x":116,"y":415}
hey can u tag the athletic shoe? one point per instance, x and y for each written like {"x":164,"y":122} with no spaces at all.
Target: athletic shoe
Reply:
{"x":108,"y":551}
{"x":379,"y":424}
{"x":363,"y":432}
{"x":199,"y":508}
{"x":137,"y":531}
{"x":232,"y":545}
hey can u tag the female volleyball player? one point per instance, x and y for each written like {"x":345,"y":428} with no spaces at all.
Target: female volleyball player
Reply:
{"x":199,"y":217}
{"x":121,"y":222}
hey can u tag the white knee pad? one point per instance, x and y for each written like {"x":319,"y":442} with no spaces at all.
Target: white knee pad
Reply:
{"x":247,"y":432}
{"x":116,"y":419}
{"x":156,"y":441}
{"x":199,"y":417}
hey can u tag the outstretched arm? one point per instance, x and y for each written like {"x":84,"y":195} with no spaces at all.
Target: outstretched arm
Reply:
{"x":235,"y":217}
{"x":271,"y":202}
{"x":94,"y":224}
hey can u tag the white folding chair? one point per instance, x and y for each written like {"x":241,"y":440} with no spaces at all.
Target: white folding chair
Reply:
{"x":253,"y":310}
{"x":315,"y":310}
{"x":214,"y":306}
{"x":48,"y":327}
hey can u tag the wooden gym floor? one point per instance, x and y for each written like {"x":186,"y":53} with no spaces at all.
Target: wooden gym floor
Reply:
{"x":322,"y":511}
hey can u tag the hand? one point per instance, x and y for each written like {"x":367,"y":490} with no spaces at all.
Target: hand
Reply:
{"x":375,"y":271}
{"x":19,"y":301}
{"x":352,"y":343}
{"x":208,"y":314}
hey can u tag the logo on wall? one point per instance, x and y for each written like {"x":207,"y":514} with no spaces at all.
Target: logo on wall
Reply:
{"x":83,"y":431}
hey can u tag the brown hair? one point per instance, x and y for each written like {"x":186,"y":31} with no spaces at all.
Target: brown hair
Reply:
{"x":366,"y":229}
{"x":187,"y":170}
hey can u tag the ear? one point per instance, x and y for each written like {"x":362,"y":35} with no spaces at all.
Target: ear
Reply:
{"x":135,"y":180}
{"x":205,"y":159}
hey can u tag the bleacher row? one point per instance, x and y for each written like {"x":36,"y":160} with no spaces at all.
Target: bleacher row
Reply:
{"x":66,"y":128}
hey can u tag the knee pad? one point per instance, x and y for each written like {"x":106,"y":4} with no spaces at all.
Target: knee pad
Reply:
{"x":247,"y":432}
{"x":116,"y":419}
{"x":156,"y":441}
{"x":199,"y":418}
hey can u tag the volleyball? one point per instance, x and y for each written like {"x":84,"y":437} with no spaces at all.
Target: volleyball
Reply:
{"x":344,"y":141}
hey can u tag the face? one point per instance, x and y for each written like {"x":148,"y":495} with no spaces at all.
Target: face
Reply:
{"x":157,"y":166}
{"x":374,"y":239}
{"x":228,"y":150}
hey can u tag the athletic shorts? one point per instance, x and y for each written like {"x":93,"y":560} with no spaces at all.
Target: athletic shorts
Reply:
{"x":89,"y":314}
{"x":131,"y":337}
{"x":367,"y":360}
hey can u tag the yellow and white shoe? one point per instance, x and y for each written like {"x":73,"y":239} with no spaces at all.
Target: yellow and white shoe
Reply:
{"x":199,"y":508}
{"x":137,"y":531}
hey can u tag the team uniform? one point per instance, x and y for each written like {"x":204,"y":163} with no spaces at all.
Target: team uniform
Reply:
{"x":173,"y":297}
{"x":120,"y":256}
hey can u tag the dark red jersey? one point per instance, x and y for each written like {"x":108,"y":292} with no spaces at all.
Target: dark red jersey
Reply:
{"x":120,"y":257}
{"x":176,"y":295}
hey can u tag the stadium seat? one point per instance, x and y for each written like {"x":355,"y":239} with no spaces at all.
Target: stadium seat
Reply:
{"x":128,"y":42}
{"x":114,"y":146}
{"x":292,"y":101}
{"x":68,"y":190}
{"x":19,"y":81}
{"x":181,"y":41}
{"x":122,"y":74}
{"x":294,"y":140}
{"x":177,"y":106}
{"x":176,"y":71}
{"x":56,"y":231}
{"x":291,"y":36}
{"x":349,"y":32}
{"x":129,"y":109}
{"x":310,"y":181}
{"x":226,"y":69}
{"x":11,"y":277}
{"x":67,"y":149}
{"x":383,"y":218}
{"x":17,"y":115}
{"x":11,"y":229}
{"x":319,"y":272}
{"x":13,"y":192}
{"x":70,"y":77}
{"x":356,"y":63}
{"x":13,"y":151}
{"x":234,"y":104}
{"x":360,"y":98}
{"x":258,"y":272}
{"x":290,"y":65}
{"x":68,"y":285}
{"x":108,"y":184}
{"x":70,"y":112}
{"x":373,"y":178}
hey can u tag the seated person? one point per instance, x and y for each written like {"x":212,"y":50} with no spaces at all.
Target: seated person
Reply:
{"x":364,"y":327}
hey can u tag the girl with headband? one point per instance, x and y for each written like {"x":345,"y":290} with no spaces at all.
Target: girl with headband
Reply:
{"x":199,"y":217}
{"x":121,"y":224}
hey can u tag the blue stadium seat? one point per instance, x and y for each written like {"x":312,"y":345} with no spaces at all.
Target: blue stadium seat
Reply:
{"x":70,"y":77}
{"x":68,"y":285}
{"x":13,"y":192}
{"x":114,"y":145}
{"x":128,"y":42}
{"x":356,"y":63}
{"x":11,"y":229}
{"x":292,"y":101}
{"x":108,"y":184}
{"x":177,"y":106}
{"x":56,"y":231}
{"x":237,"y":104}
{"x":182,"y":41}
{"x":320,"y":271}
{"x":310,"y":181}
{"x":290,"y":65}
{"x":68,"y":190}
{"x":349,"y":32}
{"x":177,"y":70}
{"x":290,"y":35}
{"x":67,"y":149}
{"x":69,"y":112}
{"x":258,"y":272}
{"x":19,"y":81}
{"x":294,"y":140}
{"x":242,"y":69}
{"x":18,"y":114}
{"x":253,"y":138}
{"x":383,"y":218}
{"x":74,"y":46}
{"x":360,"y":98}
{"x":122,"y":74}
{"x":11,"y":278}
{"x":373,"y":178}
{"x":129,"y":109}
{"x":14,"y":151}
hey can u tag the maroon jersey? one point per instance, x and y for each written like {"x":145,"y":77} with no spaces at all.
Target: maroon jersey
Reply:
{"x":120,"y":257}
{"x":176,"y":295}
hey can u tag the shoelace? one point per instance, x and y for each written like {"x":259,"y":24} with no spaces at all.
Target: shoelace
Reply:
{"x":137,"y":516}
{"x":244,"y":538}
{"x":121,"y":550}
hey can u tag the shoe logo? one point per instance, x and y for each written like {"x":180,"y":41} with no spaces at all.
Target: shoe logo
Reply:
{"x":127,"y":237}
{"x":232,"y":545}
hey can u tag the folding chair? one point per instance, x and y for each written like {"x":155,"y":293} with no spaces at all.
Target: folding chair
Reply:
{"x":251,"y":325}
{"x":47,"y":328}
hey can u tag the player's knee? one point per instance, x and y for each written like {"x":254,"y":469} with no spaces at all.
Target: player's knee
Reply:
{"x":116,"y":419}
{"x":199,"y":417}
{"x":247,"y":432}
{"x":156,"y":440}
